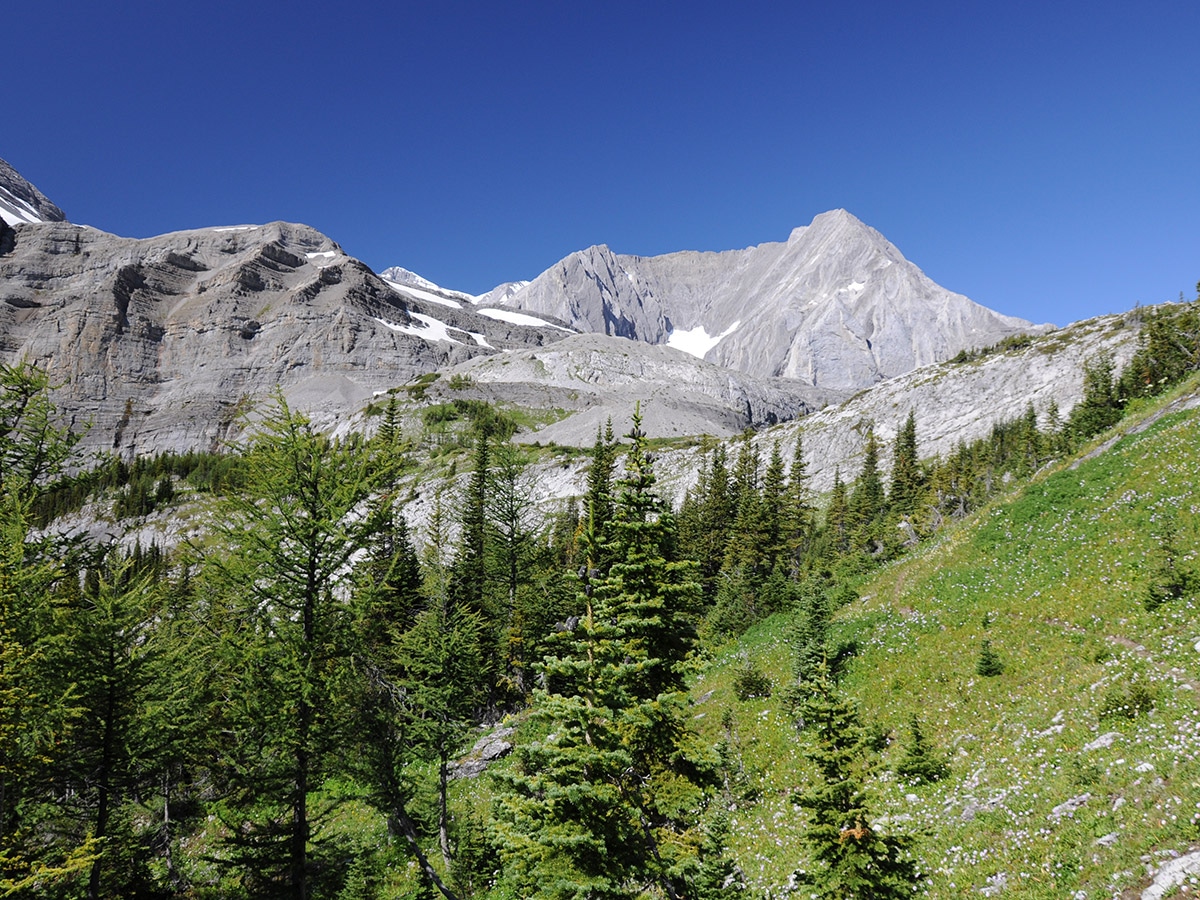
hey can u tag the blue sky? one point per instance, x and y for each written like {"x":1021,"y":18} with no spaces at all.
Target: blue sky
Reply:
{"x":1042,"y":158}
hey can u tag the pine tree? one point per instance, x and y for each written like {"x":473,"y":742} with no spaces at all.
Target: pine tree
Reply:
{"x":853,"y":859}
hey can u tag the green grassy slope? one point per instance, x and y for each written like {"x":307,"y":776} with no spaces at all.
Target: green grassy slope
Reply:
{"x":1054,"y":576}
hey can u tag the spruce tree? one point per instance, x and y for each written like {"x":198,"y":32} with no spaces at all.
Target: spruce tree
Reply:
{"x":920,"y":761}
{"x":797,"y":519}
{"x":868,"y":501}
{"x":606,"y":803}
{"x":907,"y":483}
{"x":853,"y":858}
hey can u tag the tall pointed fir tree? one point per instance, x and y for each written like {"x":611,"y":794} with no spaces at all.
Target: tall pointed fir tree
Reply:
{"x":868,"y":501}
{"x":908,"y":481}
{"x":853,"y":858}
{"x":276,"y":587}
{"x":605,"y":805}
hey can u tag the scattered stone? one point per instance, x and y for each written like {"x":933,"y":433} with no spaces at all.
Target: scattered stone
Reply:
{"x":1108,"y":840}
{"x":1105,"y":740}
{"x":1068,"y":807}
{"x":1144,"y":767}
{"x":487,"y":749}
{"x":1172,"y":875}
{"x":1053,"y":729}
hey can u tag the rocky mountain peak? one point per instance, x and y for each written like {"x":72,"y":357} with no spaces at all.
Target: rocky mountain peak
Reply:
{"x":21,"y":202}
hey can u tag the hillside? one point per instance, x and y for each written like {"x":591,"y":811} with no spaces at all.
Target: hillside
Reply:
{"x":1061,"y":784}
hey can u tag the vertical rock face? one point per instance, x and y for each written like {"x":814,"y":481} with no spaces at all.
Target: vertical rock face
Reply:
{"x":160,"y":344}
{"x":836,"y":305}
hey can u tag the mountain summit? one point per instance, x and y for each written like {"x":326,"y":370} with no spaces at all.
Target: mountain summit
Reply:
{"x":835,"y":306}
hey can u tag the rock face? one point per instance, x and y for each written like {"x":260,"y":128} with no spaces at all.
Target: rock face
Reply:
{"x":952,"y":403}
{"x":20,"y":201}
{"x":603,"y":377}
{"x":836,"y":306}
{"x":161,"y":343}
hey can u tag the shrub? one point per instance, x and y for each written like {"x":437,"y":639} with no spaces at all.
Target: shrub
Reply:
{"x":750,"y":682}
{"x":989,"y":663}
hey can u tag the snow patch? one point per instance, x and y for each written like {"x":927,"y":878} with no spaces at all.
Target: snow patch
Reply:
{"x":16,"y":211}
{"x":516,"y":318}
{"x":696,"y":341}
{"x":322,"y":259}
{"x":237,"y":228}
{"x":430,"y":329}
{"x":406,"y":290}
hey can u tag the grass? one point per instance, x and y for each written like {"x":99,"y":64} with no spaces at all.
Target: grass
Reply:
{"x":1053,"y":576}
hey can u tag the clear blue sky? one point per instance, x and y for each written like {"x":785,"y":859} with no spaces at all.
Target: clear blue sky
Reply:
{"x":1042,"y":158}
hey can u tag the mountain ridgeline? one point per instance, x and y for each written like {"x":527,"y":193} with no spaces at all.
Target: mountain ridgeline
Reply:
{"x":835,"y":306}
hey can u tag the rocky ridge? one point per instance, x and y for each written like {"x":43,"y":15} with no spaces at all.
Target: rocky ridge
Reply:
{"x":596,"y":378}
{"x":21,"y":202}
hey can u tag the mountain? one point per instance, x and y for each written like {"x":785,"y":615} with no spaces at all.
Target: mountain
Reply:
{"x":161,"y":343}
{"x":836,"y":305}
{"x":20,"y":201}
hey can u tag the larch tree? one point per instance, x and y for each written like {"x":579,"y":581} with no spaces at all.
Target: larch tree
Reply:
{"x":277,"y":587}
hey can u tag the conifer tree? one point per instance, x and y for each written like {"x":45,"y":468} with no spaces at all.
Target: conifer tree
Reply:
{"x":276,"y":593}
{"x":468,"y":574}
{"x":907,"y":483}
{"x":604,"y":804}
{"x":920,"y":761}
{"x":111,"y":648}
{"x":37,"y":704}
{"x":797,"y":520}
{"x":837,"y":516}
{"x":853,"y":859}
{"x":868,"y":501}
{"x":598,"y":501}
{"x":1100,"y":406}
